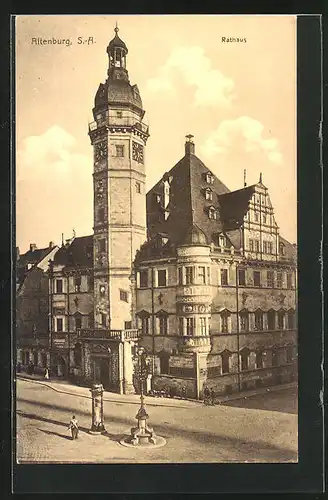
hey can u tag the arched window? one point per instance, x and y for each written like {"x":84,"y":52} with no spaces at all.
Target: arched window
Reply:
{"x":78,"y":354}
{"x":271,"y":319}
{"x":291,"y":319}
{"x":281,"y":319}
{"x":244,"y":320}
{"x":282,"y":248}
{"x":144,"y":318}
{"x":259,"y":359}
{"x":225,"y":315}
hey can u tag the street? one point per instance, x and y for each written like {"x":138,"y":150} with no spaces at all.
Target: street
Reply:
{"x":194,"y":432}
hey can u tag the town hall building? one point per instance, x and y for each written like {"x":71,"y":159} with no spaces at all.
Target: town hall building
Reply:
{"x":195,"y":273}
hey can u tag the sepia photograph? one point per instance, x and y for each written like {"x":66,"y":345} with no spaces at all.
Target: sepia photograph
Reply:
{"x":156,"y":239}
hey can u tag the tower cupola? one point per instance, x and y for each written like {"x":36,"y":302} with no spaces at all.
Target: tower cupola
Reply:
{"x":117,"y":51}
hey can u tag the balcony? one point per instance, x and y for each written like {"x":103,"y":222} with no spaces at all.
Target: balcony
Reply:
{"x":119,"y":123}
{"x":103,"y":334}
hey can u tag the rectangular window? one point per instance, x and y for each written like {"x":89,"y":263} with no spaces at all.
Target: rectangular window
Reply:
{"x":103,"y":319}
{"x":242,"y":277}
{"x":119,"y":114}
{"x":264,"y":219}
{"x":289,"y":280}
{"x":59,"y":324}
{"x":101,"y":214}
{"x":257,"y":278}
{"x":259,"y":320}
{"x":124,"y":295}
{"x":224,"y":277}
{"x":256,"y":216}
{"x":270,"y":279}
{"x":224,"y":323}
{"x":78,"y":322}
{"x":265,"y":247}
{"x":90,"y":321}
{"x":201,"y":275}
{"x":256,"y":246}
{"x":291,"y":320}
{"x":90,"y":283}
{"x":143,"y":279}
{"x":202,"y":326}
{"x":189,"y":275}
{"x":161,"y":277}
{"x":145,"y":325}
{"x":244,"y":322}
{"x":270,"y":251}
{"x":271,"y":320}
{"x":244,"y":360}
{"x":59,"y":286}
{"x":102,"y":245}
{"x":289,"y":354}
{"x":259,"y":359}
{"x":190,"y":326}
{"x":225,"y":363}
{"x":77,"y":283}
{"x":251,"y":245}
{"x":119,"y":150}
{"x":281,"y":316}
{"x":127,"y":325}
{"x":181,"y":326}
{"x":279,"y":280}
{"x":180,"y":275}
{"x":138,"y":187}
{"x":163,"y":325}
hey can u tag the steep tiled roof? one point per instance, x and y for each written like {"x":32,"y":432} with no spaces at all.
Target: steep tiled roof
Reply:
{"x":78,"y":254}
{"x":187,"y":205}
{"x":118,"y":92}
{"x":31,"y":257}
{"x":234,"y":205}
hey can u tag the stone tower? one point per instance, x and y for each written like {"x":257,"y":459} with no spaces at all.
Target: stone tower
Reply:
{"x":118,"y":136}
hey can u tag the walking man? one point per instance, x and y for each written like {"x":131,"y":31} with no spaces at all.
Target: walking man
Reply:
{"x":73,"y":426}
{"x":46,"y":374}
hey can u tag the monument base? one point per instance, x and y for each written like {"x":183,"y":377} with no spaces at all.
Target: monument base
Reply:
{"x":127,"y":441}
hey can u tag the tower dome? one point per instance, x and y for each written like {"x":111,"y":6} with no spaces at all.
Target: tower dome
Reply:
{"x":116,"y":42}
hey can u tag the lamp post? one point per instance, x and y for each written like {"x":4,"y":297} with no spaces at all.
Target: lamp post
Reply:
{"x":142,"y":435}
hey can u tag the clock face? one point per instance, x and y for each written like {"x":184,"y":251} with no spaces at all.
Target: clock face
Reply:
{"x":101,"y":150}
{"x":137,"y":152}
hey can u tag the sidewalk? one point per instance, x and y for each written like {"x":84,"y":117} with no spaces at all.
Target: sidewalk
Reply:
{"x":64,"y":386}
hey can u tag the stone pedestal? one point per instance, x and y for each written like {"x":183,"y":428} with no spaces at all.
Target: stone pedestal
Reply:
{"x":97,"y":424}
{"x":142,"y":434}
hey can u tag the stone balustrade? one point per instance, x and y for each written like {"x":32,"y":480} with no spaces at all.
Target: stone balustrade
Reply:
{"x":99,"y":333}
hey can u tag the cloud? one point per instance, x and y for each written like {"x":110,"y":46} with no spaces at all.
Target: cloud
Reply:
{"x":212,"y":88}
{"x":243,"y":133}
{"x":53,"y":188}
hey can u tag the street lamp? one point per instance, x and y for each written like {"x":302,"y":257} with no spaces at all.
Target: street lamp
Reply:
{"x":142,"y":435}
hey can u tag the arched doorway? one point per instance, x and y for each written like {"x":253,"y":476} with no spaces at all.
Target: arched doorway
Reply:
{"x":61,"y":367}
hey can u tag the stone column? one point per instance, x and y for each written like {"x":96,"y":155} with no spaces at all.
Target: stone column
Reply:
{"x":128,"y":369}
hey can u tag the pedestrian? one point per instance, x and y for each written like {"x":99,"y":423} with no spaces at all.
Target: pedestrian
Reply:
{"x":73,"y":426}
{"x":46,"y":374}
{"x":207,"y":395}
{"x":212,"y":397}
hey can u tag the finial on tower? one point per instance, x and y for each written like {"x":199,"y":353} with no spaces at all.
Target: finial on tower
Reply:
{"x":245,"y":183}
{"x":116,"y":29}
{"x":260,"y":178}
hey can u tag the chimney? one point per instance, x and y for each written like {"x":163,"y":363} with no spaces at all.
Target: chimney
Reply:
{"x":32,"y":247}
{"x":51,"y":244}
{"x":189,"y":145}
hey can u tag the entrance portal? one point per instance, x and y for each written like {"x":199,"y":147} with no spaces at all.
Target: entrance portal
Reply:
{"x":102,"y":371}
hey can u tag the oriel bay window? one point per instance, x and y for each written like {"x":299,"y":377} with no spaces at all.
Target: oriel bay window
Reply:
{"x":202,"y":326}
{"x":258,"y":320}
{"x":181,"y":326}
{"x":189,"y":275}
{"x":201,"y":275}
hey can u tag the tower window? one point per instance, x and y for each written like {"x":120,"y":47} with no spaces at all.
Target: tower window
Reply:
{"x":59,"y":286}
{"x":256,"y":216}
{"x":119,"y":114}
{"x":124,"y":295}
{"x":202,"y":326}
{"x":189,"y":275}
{"x":190,"y":326}
{"x":120,"y":150}
{"x":181,"y":326}
{"x":201,"y":275}
{"x":59,"y":324}
{"x":138,"y":187}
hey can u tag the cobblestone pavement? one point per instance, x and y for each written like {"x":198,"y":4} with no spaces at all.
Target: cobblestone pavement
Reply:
{"x":285,"y":400}
{"x":194,"y":433}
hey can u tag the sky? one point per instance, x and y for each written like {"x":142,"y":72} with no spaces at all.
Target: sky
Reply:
{"x":238,"y":99}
